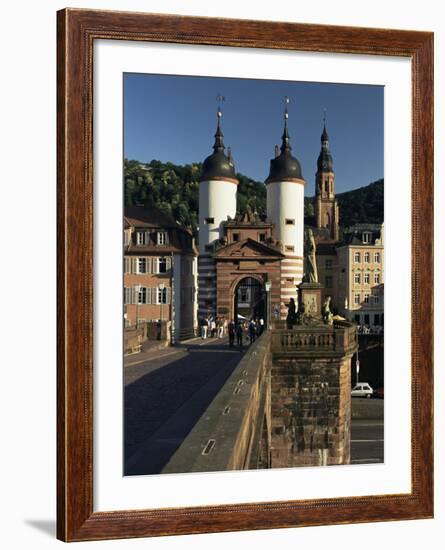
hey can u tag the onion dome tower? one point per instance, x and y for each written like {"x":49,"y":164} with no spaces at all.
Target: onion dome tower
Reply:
{"x":326,"y":207}
{"x":217,"y":201}
{"x":285,"y":208}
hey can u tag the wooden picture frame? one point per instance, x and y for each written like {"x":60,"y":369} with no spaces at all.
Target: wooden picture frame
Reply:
{"x":77,"y":31}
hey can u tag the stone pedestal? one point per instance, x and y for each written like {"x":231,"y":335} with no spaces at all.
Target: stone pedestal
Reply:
{"x":311,"y":395}
{"x":309,"y":294}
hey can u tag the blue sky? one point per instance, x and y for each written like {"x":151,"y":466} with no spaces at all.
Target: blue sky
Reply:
{"x":173,"y":118}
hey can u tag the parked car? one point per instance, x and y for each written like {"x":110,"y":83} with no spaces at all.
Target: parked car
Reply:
{"x":378,"y":393}
{"x":362,"y":389}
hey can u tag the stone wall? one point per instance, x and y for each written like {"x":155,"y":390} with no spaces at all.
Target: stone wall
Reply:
{"x":311,"y":410}
{"x":311,"y":395}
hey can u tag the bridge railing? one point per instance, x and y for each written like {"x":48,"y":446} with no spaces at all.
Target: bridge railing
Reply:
{"x":234,"y":431}
{"x":337,"y":338}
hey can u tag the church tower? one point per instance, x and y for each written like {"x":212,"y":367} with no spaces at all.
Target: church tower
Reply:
{"x":217,"y":201}
{"x":285,"y":209}
{"x":326,"y":207}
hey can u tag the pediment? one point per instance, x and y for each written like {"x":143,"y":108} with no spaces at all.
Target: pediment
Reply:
{"x":248,"y":248}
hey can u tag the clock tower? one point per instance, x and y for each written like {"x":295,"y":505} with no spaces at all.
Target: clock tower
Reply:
{"x":326,"y":206}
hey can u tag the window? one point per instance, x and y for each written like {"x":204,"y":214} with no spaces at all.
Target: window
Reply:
{"x":366,"y":300}
{"x":209,"y":220}
{"x":142,"y":265}
{"x":235,"y":237}
{"x":357,"y":278}
{"x":328,"y":281}
{"x":377,"y":257}
{"x":366,"y":238}
{"x":262,"y":237}
{"x":367,"y":278}
{"x":328,"y":264}
{"x":289,"y":248}
{"x":357,"y":319}
{"x":162,"y":237}
{"x":142,"y":296}
{"x":127,"y":265}
{"x":163,"y":296}
{"x":366,"y":319}
{"x":356,"y":299}
{"x":367,"y":258}
{"x":376,"y":278}
{"x":141,"y":237}
{"x":290,"y":221}
{"x":162,"y":265}
{"x":376,"y":319}
{"x":127,"y":296}
{"x":357,"y":257}
{"x":376,"y":300}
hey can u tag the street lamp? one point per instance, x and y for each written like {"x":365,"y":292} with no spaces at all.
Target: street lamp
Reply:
{"x":137,"y":289}
{"x":268,"y":286}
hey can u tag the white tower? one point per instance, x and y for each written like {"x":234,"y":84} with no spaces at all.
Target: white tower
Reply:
{"x":217,"y":201}
{"x":285,"y":208}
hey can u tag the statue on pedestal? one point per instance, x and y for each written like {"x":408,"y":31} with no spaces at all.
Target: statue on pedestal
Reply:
{"x":328,"y":316}
{"x":310,"y":271}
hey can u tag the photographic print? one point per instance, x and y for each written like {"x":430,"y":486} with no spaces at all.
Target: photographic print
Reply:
{"x":253,"y":259}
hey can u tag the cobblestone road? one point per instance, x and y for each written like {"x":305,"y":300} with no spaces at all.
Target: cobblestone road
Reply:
{"x":156,"y":388}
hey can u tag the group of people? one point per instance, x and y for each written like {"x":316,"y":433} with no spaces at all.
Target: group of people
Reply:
{"x":236,"y":330}
{"x":211,"y":327}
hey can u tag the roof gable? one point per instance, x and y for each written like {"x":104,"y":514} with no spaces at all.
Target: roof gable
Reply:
{"x":248,"y":248}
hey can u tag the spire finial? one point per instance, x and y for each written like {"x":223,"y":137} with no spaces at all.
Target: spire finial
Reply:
{"x":219,"y":144}
{"x":324,"y":116}
{"x":285,"y":146}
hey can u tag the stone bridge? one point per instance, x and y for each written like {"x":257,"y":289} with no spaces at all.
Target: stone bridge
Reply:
{"x":287,"y":403}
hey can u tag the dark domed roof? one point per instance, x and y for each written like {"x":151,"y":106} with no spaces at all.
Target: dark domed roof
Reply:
{"x":284,"y":166}
{"x":218,"y":165}
{"x":324,"y":161}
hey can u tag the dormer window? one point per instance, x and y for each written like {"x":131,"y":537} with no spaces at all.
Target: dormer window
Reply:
{"x":161,"y":237}
{"x":141,"y":237}
{"x":366,"y":237}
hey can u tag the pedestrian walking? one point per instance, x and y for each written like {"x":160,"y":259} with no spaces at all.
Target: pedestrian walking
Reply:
{"x":158,"y":329}
{"x":212,"y":328}
{"x":239,"y":334}
{"x":220,"y":327}
{"x":261,"y":325}
{"x":252,"y":331}
{"x":231,"y":330}
{"x":204,"y":328}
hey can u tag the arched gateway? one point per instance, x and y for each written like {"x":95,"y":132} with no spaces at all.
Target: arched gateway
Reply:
{"x":249,"y":300}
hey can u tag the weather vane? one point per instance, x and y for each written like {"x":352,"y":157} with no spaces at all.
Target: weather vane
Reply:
{"x":286,"y":100}
{"x":220,"y":98}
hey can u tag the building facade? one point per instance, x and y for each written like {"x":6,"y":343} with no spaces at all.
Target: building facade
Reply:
{"x":160,"y":271}
{"x":361,"y":275}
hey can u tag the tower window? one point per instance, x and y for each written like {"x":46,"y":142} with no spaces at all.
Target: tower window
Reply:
{"x":262,"y":237}
{"x":235,"y":237}
{"x":290,"y":221}
{"x":209,"y":220}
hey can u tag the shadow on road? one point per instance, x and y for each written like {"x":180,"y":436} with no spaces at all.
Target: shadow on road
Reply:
{"x":159,"y":392}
